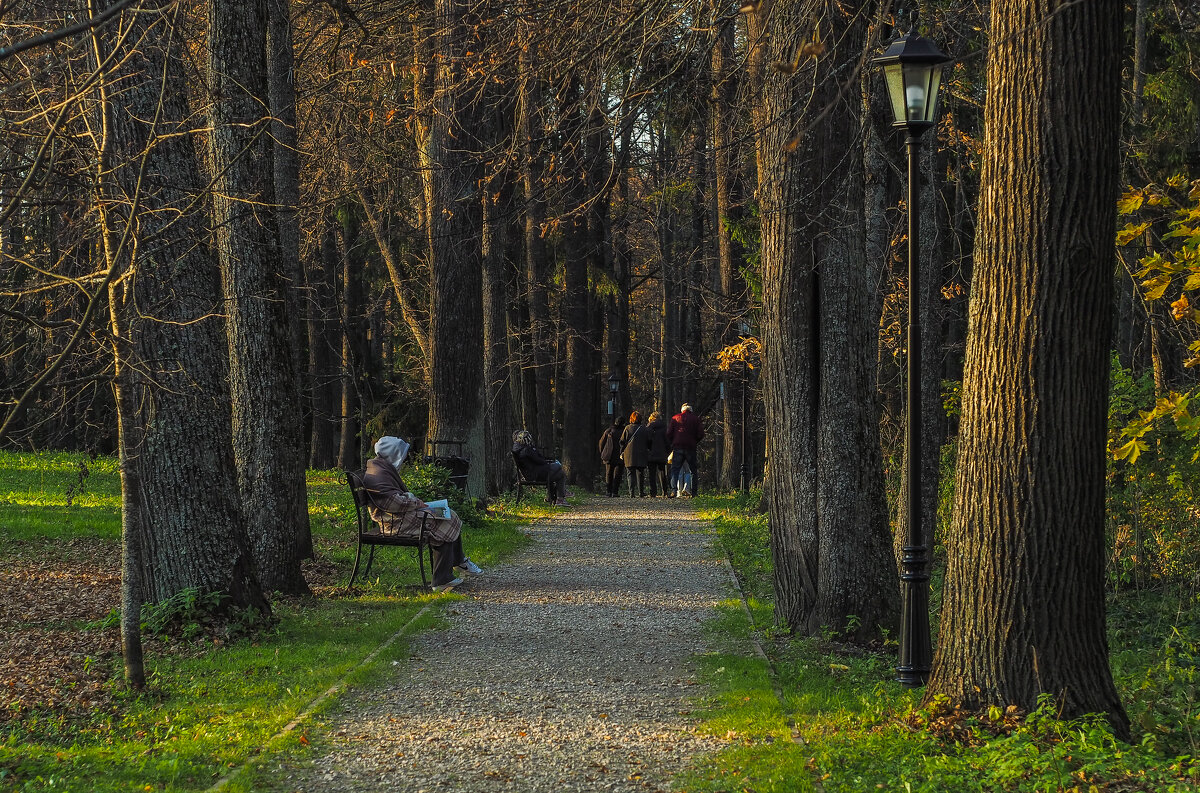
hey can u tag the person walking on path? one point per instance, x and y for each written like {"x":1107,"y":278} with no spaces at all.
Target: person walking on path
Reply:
{"x":635,"y":448}
{"x":656,"y":458}
{"x":610,"y":455}
{"x":536,"y":468}
{"x":683,"y":434}
{"x":398,"y":511}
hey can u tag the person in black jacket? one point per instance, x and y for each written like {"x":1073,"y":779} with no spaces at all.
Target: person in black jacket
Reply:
{"x":656,"y":459}
{"x":610,"y":455}
{"x":535,"y":467}
{"x":635,"y":446}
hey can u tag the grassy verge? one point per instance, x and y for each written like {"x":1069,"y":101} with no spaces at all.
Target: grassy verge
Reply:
{"x":212,"y":703}
{"x":858,"y":731}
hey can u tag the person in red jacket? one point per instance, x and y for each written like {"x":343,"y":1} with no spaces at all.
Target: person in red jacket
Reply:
{"x":683,"y":434}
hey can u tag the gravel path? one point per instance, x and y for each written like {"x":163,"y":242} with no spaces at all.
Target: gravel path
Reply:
{"x":566,"y":669}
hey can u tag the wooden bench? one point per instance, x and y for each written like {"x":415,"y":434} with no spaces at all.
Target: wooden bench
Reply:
{"x":369,"y":533}
{"x":524,"y":482}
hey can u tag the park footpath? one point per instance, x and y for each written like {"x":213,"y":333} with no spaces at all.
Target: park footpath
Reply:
{"x":568,"y":668}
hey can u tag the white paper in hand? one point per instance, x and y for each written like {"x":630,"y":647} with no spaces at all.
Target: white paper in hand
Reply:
{"x":439,"y":508}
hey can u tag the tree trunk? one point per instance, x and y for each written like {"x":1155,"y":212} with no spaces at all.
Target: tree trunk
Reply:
{"x":827,"y":507}
{"x":324,"y":348}
{"x":286,"y":161}
{"x":536,"y":261}
{"x":498,"y":403}
{"x":790,"y":380}
{"x":267,"y":449}
{"x":456,"y":312}
{"x":730,"y":257}
{"x":578,"y":444}
{"x":1024,"y":609}
{"x":354,"y":341}
{"x":182,"y":525}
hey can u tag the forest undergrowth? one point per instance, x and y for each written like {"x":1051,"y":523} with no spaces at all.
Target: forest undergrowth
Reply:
{"x":218,"y":690}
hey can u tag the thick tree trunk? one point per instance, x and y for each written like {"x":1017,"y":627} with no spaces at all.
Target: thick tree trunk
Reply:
{"x":184,"y":526}
{"x":267,"y":448}
{"x":456,"y":311}
{"x":790,"y":381}
{"x":827,"y":507}
{"x":1024,"y":609}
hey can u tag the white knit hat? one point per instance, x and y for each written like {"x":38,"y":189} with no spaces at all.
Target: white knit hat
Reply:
{"x":392,"y":449}
{"x":686,"y":407}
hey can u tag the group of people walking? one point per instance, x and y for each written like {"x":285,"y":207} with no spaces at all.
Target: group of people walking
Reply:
{"x":664,"y":452}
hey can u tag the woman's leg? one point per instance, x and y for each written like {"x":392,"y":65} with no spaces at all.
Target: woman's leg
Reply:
{"x":446,"y":556}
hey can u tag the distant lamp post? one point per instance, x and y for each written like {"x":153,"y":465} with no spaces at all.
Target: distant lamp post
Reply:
{"x":614,"y":383}
{"x":912,"y":67}
{"x":744,"y":330}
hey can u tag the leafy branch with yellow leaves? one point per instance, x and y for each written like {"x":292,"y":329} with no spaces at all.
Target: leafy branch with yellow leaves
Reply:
{"x":1170,"y":271}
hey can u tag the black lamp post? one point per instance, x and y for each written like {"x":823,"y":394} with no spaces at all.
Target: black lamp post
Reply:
{"x":912,"y":67}
{"x":614,"y":383}
{"x":744,"y":329}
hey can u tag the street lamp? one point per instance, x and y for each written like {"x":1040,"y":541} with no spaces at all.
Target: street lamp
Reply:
{"x":614,"y":382}
{"x":912,"y":67}
{"x":744,"y":330}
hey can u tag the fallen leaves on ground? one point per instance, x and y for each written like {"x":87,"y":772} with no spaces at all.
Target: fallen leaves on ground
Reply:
{"x":47,"y":662}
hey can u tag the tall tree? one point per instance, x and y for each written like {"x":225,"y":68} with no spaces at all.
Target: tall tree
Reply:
{"x":181,"y":519}
{"x":727,"y":203}
{"x":827,"y":509}
{"x":1024,"y":611}
{"x":267,"y":448}
{"x":456,"y":311}
{"x":538,"y":410}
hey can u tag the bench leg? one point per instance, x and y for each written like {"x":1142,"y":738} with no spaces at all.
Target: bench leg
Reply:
{"x":357,"y":555}
{"x":370,"y":559}
{"x":421,"y":562}
{"x":518,"y":492}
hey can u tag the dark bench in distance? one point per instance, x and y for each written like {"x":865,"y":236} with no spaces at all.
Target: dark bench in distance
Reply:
{"x":369,"y":533}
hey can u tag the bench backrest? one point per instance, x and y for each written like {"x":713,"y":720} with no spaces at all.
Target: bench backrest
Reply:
{"x":359,"y":492}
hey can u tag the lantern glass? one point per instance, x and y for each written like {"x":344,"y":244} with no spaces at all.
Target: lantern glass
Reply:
{"x":894,"y":74}
{"x":916,"y":91}
{"x":935,"y":82}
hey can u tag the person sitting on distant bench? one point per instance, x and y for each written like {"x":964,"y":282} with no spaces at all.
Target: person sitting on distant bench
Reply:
{"x":399,"y":512}
{"x":536,"y":468}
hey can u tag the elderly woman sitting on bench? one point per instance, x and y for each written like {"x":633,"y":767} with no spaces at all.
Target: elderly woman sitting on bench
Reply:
{"x":536,"y":468}
{"x":397,"y":511}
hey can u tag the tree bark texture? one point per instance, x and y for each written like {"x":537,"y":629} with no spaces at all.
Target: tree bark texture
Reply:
{"x":828,"y":513}
{"x":324,"y":349}
{"x":267,"y":447}
{"x":499,"y":411}
{"x":354,"y":340}
{"x":730,"y":257}
{"x":541,"y":412}
{"x":181,"y":514}
{"x":456,"y":311}
{"x":1024,"y":611}
{"x":578,"y":443}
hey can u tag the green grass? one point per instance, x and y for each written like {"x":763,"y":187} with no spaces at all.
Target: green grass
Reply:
{"x":859,"y":731}
{"x":211,"y":706}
